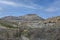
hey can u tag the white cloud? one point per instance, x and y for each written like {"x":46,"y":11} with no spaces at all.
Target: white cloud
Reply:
{"x":18,"y":4}
{"x":54,"y":7}
{"x":51,"y":9}
{"x":8,"y":3}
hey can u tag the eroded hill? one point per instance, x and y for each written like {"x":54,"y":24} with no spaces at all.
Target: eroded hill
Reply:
{"x":29,"y":27}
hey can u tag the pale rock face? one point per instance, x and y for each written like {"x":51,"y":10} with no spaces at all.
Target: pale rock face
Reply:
{"x":24,"y":38}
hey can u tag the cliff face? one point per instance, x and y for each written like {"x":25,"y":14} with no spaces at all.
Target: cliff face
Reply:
{"x":29,"y":27}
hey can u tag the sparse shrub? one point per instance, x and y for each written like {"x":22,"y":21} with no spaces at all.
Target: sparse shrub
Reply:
{"x":7,"y":25}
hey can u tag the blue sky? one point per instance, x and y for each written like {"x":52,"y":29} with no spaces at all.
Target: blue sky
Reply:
{"x":43,"y":8}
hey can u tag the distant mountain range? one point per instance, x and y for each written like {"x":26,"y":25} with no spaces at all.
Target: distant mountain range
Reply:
{"x":28,"y":17}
